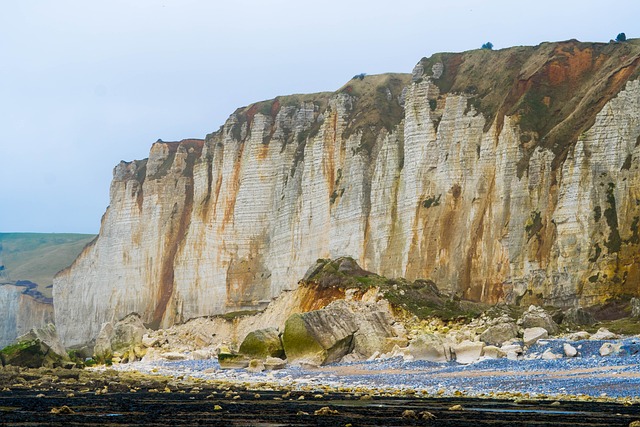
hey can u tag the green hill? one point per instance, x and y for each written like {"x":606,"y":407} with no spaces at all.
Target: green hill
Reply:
{"x":37,"y":257}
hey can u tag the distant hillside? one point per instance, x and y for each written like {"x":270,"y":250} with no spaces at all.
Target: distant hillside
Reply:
{"x":37,"y":257}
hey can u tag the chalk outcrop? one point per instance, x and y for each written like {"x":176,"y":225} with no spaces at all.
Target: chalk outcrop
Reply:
{"x":122,"y":339}
{"x":21,"y":312}
{"x":506,"y":175}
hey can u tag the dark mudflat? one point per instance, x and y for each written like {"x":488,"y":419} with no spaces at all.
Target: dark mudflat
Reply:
{"x":23,"y":408}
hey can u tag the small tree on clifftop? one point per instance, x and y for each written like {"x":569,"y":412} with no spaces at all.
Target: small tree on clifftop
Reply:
{"x":622,"y":37}
{"x":488,"y":46}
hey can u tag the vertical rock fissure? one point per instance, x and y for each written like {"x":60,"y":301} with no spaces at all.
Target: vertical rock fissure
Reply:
{"x":175,"y":241}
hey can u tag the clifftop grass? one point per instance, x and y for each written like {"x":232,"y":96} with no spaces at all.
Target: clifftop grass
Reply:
{"x":374,"y":106}
{"x":37,"y":257}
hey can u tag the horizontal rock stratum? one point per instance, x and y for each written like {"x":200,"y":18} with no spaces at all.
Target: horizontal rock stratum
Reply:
{"x":507,"y":175}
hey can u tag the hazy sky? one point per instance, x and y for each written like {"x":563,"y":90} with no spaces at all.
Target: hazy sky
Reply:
{"x":85,"y":84}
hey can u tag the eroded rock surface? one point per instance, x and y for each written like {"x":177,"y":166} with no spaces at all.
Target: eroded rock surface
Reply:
{"x":123,"y":339}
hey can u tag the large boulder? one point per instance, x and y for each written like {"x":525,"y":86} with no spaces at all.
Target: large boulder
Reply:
{"x":429,"y":347}
{"x":512,"y":351}
{"x":550,"y":355}
{"x":468,"y":351}
{"x":375,"y":332}
{"x":37,"y":348}
{"x":603,"y":334}
{"x":608,"y":349}
{"x":273,"y":363}
{"x":262,"y":343}
{"x":498,"y":334}
{"x":536,"y":317}
{"x":357,"y":328}
{"x":124,"y":338}
{"x":569,"y":350}
{"x":321,"y":336}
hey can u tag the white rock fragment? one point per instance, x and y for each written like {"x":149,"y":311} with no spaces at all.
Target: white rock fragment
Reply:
{"x":429,"y":347}
{"x":468,"y":351}
{"x":604,"y":334}
{"x":550,"y":355}
{"x":513,"y":351}
{"x":493,"y":352}
{"x":173,"y":356}
{"x":579,"y":336}
{"x":150,"y":341}
{"x":608,"y":349}
{"x":569,"y":350}
{"x":532,"y":335}
{"x":273,"y":363}
{"x":202,"y":354}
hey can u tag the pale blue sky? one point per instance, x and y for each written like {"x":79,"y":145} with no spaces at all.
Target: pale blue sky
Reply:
{"x":85,"y":84}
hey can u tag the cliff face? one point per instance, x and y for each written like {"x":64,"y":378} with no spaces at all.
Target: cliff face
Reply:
{"x":21,"y":312}
{"x":503,"y":176}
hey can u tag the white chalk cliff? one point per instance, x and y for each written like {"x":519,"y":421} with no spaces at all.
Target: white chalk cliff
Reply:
{"x":503,"y":176}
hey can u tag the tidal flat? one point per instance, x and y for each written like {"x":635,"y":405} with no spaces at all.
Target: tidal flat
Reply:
{"x":270,"y":409}
{"x":588,"y":390}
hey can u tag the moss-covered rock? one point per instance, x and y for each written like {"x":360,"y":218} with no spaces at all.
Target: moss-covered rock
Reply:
{"x":35,"y":349}
{"x":262,"y":343}
{"x":229,"y":360}
{"x":319,"y":337}
{"x":420,"y":298}
{"x":298,"y":342}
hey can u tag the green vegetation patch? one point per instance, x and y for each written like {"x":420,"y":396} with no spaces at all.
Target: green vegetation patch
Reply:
{"x":635,"y":238}
{"x":375,"y":107}
{"x":420,"y":298}
{"x":237,"y":314}
{"x":555,"y":89}
{"x":13,"y":349}
{"x":37,"y":257}
{"x":165,"y":167}
{"x":431,"y":201}
{"x":624,"y":326}
{"x":597,"y":251}
{"x":533,"y":225}
{"x":610,"y":213}
{"x":597,"y":213}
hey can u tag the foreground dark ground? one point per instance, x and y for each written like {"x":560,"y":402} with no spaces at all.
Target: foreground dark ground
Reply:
{"x":24,"y":408}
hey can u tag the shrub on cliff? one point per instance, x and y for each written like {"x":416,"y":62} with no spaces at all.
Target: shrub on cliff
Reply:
{"x":622,"y":37}
{"x":488,"y":46}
